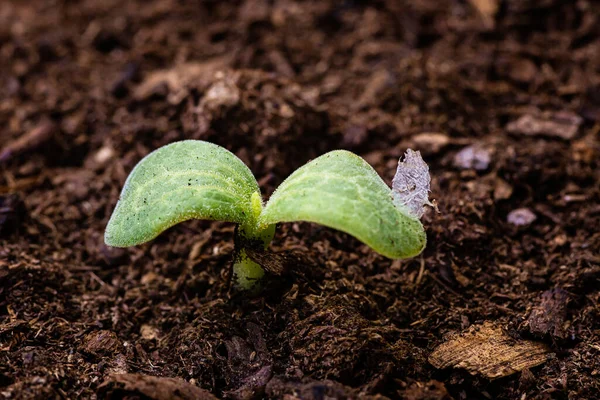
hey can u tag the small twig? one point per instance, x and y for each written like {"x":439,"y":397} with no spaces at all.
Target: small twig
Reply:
{"x":421,"y":272}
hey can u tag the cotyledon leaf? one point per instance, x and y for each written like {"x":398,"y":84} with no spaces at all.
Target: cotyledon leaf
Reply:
{"x":342,"y":191}
{"x":177,"y":182}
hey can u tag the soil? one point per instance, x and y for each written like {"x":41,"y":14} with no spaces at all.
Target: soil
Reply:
{"x":501,"y":97}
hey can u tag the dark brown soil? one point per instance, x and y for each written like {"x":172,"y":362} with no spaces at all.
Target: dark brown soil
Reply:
{"x":89,"y":87}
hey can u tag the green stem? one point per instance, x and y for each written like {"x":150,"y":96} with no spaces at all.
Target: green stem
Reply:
{"x":247,"y":273}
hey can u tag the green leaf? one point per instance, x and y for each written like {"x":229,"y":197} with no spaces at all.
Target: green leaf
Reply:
{"x":181,"y":181}
{"x":342,"y":191}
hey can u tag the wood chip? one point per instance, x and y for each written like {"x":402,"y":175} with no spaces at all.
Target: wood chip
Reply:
{"x":101,"y":342}
{"x":430,"y":142}
{"x":562,"y":124}
{"x":549,"y":317}
{"x":487,"y":350}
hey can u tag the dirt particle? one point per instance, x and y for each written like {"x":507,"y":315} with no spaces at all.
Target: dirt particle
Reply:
{"x":503,"y":190}
{"x":286,"y":111}
{"x":104,"y":155}
{"x":101,"y":342}
{"x":149,"y":332}
{"x":523,"y":71}
{"x":521,"y":217}
{"x":221,"y":93}
{"x":473,"y":157}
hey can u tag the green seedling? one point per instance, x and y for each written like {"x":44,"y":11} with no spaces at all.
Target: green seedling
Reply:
{"x":196,"y":179}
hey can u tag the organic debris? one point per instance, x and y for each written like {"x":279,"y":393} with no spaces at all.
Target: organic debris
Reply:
{"x":473,"y":157}
{"x":563,"y":125}
{"x":411,"y":184}
{"x":549,"y":316}
{"x":487,"y":350}
{"x":521,"y":217}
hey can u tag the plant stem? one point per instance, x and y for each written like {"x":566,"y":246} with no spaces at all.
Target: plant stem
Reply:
{"x":247,"y":273}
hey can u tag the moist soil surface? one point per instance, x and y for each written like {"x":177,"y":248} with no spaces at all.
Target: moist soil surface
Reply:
{"x":502,"y":98}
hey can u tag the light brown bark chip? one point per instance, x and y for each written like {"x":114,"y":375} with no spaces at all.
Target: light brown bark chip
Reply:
{"x":561,"y":124}
{"x":487,"y":350}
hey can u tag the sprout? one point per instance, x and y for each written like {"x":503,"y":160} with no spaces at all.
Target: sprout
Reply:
{"x":196,"y":179}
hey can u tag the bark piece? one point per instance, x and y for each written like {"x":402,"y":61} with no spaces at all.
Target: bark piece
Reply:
{"x":101,"y":342}
{"x":430,"y":142}
{"x":562,"y":124}
{"x":487,"y":350}
{"x":548,"y":318}
{"x":152,"y":387}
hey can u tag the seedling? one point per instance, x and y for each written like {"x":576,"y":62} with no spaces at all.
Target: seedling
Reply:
{"x":196,"y":179}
